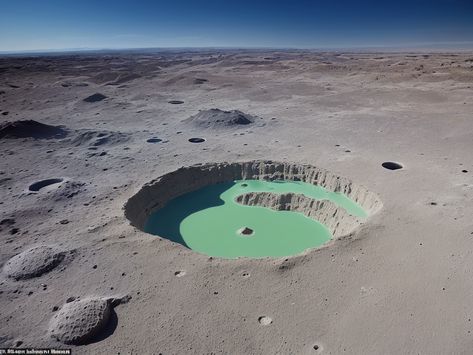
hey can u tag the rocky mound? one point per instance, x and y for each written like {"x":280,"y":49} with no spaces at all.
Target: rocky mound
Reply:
{"x":99,"y":138}
{"x":31,"y":129}
{"x":33,"y":262}
{"x":78,"y":322}
{"x":67,"y":190}
{"x":216,"y":118}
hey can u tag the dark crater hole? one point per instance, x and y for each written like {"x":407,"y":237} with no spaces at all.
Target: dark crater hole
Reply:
{"x":35,"y":187}
{"x":390,"y":165}
{"x":196,"y":140}
{"x":154,"y":140}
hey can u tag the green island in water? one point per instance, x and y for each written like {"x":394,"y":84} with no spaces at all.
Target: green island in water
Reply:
{"x":209,"y":221}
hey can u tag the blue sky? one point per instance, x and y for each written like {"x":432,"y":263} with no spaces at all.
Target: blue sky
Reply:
{"x":60,"y":24}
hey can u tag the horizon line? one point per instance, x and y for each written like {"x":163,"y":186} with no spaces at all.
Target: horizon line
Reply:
{"x":438,"y":46}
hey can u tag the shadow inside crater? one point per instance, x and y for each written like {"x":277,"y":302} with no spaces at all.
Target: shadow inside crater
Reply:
{"x":35,"y":187}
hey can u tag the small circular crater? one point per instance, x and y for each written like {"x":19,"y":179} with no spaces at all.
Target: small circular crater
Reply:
{"x":265,"y":320}
{"x":391,"y":165}
{"x":176,"y":102}
{"x":154,"y":140}
{"x":197,"y":140}
{"x":35,"y":187}
{"x":245,"y":231}
{"x":317,"y":347}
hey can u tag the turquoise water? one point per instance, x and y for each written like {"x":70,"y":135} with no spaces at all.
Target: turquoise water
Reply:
{"x":209,"y":220}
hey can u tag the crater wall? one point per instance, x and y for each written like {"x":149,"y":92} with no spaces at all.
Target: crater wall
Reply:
{"x":155,"y":194}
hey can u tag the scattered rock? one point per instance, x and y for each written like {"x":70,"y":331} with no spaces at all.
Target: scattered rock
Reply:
{"x":245,"y":231}
{"x":264,"y":320}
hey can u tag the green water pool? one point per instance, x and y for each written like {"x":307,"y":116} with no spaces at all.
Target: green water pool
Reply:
{"x":210,"y":222}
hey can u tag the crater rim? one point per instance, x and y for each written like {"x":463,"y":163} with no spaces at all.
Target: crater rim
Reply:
{"x":155,"y":194}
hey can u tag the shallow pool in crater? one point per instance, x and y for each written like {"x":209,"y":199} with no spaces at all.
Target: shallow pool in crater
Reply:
{"x":211,"y":222}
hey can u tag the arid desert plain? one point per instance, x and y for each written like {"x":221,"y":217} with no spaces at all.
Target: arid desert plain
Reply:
{"x":87,"y":139}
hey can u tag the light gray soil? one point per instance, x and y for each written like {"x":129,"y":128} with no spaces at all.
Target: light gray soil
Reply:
{"x":399,"y":284}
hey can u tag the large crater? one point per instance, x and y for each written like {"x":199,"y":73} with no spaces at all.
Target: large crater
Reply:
{"x":338,"y":205}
